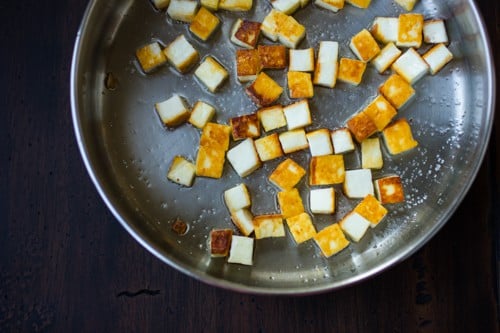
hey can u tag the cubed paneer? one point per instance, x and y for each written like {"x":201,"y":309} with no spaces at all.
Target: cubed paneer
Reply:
{"x":245,"y":33}
{"x":160,"y":4}
{"x":210,"y":4}
{"x":304,"y":3}
{"x":174,"y":111}
{"x":380,"y":111}
{"x":244,"y":158}
{"x":371,"y":155}
{"x":210,"y":162}
{"x":271,"y":24}
{"x":150,"y":57}
{"x":204,"y":24}
{"x":361,"y":126}
{"x":237,"y":198}
{"x":243,"y":219}
{"x":435,"y":32}
{"x":354,"y":226}
{"x":410,"y":30}
{"x":301,"y":60}
{"x":326,"y":69}
{"x":410,"y":66}
{"x":201,"y":114}
{"x":236,"y":5}
{"x":292,"y":141}
{"x":269,"y":147}
{"x":342,"y":141}
{"x":397,"y":91}
{"x":389,"y":190}
{"x":398,"y":137}
{"x":437,"y":58}
{"x":181,"y":54}
{"x":268,"y":226}
{"x":407,"y":4}
{"x":211,"y":73}
{"x":241,"y":251}
{"x":291,"y":32}
{"x":385,"y":29}
{"x":300,"y":85}
{"x":247,"y":65}
{"x":246,"y":126}
{"x":301,"y":227}
{"x":351,"y":71}
{"x":359,"y":3}
{"x":332,"y":5}
{"x":273,"y":56}
{"x":290,"y":203}
{"x":371,"y":209}
{"x":286,"y":6}
{"x":181,"y":171}
{"x":386,"y":57}
{"x":220,"y":242}
{"x":215,"y":136}
{"x":320,"y":142}
{"x":272,"y":117}
{"x":331,"y":240}
{"x":326,"y":170}
{"x":322,"y":200}
{"x":182,"y":10}
{"x":297,"y":115}
{"x":264,"y":90}
{"x":358,"y":183}
{"x":287,"y":174}
{"x":364,"y":46}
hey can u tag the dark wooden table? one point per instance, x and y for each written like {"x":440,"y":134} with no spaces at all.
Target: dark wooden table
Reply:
{"x":66,"y":265}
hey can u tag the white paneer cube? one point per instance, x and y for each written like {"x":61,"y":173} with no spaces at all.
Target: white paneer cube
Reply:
{"x":236,"y":5}
{"x":354,"y":226}
{"x":181,"y":54}
{"x":437,"y":57}
{"x":241,"y":251}
{"x":406,"y":4}
{"x":211,"y":73}
{"x":286,"y":6}
{"x":243,"y":219}
{"x":410,"y":66}
{"x":160,"y":4}
{"x":269,"y":25}
{"x":237,"y":198}
{"x":386,"y":57}
{"x":173,"y":112}
{"x":181,"y":171}
{"x":297,"y":115}
{"x":333,"y":5}
{"x":301,"y":60}
{"x":358,"y":183}
{"x":435,"y":32}
{"x":320,"y":142}
{"x":210,"y":4}
{"x":150,"y":57}
{"x":385,"y":29}
{"x":326,"y":70}
{"x":201,"y":114}
{"x":244,"y":158}
{"x":322,"y":200}
{"x":342,"y":141}
{"x":292,"y":141}
{"x":182,"y":10}
{"x":371,"y":155}
{"x":272,"y":117}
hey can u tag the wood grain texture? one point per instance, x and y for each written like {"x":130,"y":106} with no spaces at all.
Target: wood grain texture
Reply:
{"x":66,"y":265}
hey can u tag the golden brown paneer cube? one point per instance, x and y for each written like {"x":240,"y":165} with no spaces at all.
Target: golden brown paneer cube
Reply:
{"x":246,"y":126}
{"x":410,"y":30}
{"x":247,"y":65}
{"x":236,"y":5}
{"x":220,"y":242}
{"x":301,"y":227}
{"x":380,"y":111}
{"x":268,"y":226}
{"x":351,"y":71}
{"x":364,"y":46}
{"x":273,"y":56}
{"x":290,"y":203}
{"x":245,"y":33}
{"x":398,"y":137}
{"x":326,"y":170}
{"x":269,"y":147}
{"x":359,"y":3}
{"x":389,"y":190}
{"x":361,"y":126}
{"x":287,"y":174}
{"x":371,"y":209}
{"x":150,"y":57}
{"x":397,"y":91}
{"x":215,"y":136}
{"x":300,"y":85}
{"x":264,"y":90}
{"x":204,"y":24}
{"x":331,"y":240}
{"x":210,"y":162}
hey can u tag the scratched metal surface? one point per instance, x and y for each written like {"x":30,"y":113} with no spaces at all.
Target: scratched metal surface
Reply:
{"x":127,"y":151}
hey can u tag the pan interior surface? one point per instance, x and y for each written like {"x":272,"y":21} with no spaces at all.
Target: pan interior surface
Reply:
{"x":128,"y":151}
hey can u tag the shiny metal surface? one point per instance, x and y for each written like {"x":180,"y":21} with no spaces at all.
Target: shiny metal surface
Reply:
{"x":127,"y":151}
